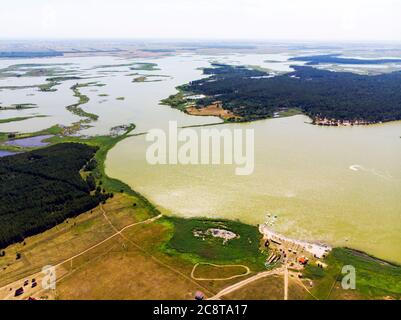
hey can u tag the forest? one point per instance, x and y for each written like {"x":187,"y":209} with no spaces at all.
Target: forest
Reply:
{"x":337,"y":59}
{"x":42,"y":188}
{"x":341,"y":96}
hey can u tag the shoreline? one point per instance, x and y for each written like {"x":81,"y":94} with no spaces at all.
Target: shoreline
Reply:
{"x":316,"y":246}
{"x":264,"y":230}
{"x":317,"y":250}
{"x":65,"y":138}
{"x":342,"y":255}
{"x":121,"y":138}
{"x":312,"y":242}
{"x":347,"y":123}
{"x":179,"y":102}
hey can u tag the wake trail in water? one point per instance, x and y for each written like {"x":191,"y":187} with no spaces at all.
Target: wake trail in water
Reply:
{"x":384,"y":175}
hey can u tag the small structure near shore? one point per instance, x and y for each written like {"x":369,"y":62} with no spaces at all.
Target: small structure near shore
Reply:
{"x":337,"y":123}
{"x":316,"y":250}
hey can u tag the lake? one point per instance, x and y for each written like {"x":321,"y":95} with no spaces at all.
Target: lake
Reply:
{"x":341,"y":186}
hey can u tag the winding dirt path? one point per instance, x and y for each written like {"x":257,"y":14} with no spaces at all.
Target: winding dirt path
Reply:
{"x":39,"y":274}
{"x":111,"y":237}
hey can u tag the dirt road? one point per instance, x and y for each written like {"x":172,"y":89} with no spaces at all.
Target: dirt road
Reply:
{"x":6,"y":293}
{"x":286,"y":282}
{"x":245,"y":282}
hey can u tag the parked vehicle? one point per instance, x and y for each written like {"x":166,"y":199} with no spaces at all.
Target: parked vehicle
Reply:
{"x":19,"y":292}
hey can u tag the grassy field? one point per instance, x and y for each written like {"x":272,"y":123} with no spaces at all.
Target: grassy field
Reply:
{"x":290,"y":112}
{"x":134,"y":267}
{"x":271,"y":288}
{"x":131,"y":268}
{"x":53,"y":246}
{"x":74,"y":235}
{"x":375,"y":279}
{"x":208,"y":271}
{"x":127,"y":266}
{"x":244,"y":249}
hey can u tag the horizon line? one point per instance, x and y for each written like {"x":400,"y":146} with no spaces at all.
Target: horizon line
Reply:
{"x":186,"y":39}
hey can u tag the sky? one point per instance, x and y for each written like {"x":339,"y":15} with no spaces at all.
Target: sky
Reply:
{"x":299,"y":20}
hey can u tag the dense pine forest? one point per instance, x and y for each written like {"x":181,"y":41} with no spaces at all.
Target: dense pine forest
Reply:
{"x":42,"y":188}
{"x":253,"y":94}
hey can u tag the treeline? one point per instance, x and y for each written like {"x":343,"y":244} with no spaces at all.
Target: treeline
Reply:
{"x":338,"y":59}
{"x":253,"y":95}
{"x":42,"y":188}
{"x":30,"y":54}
